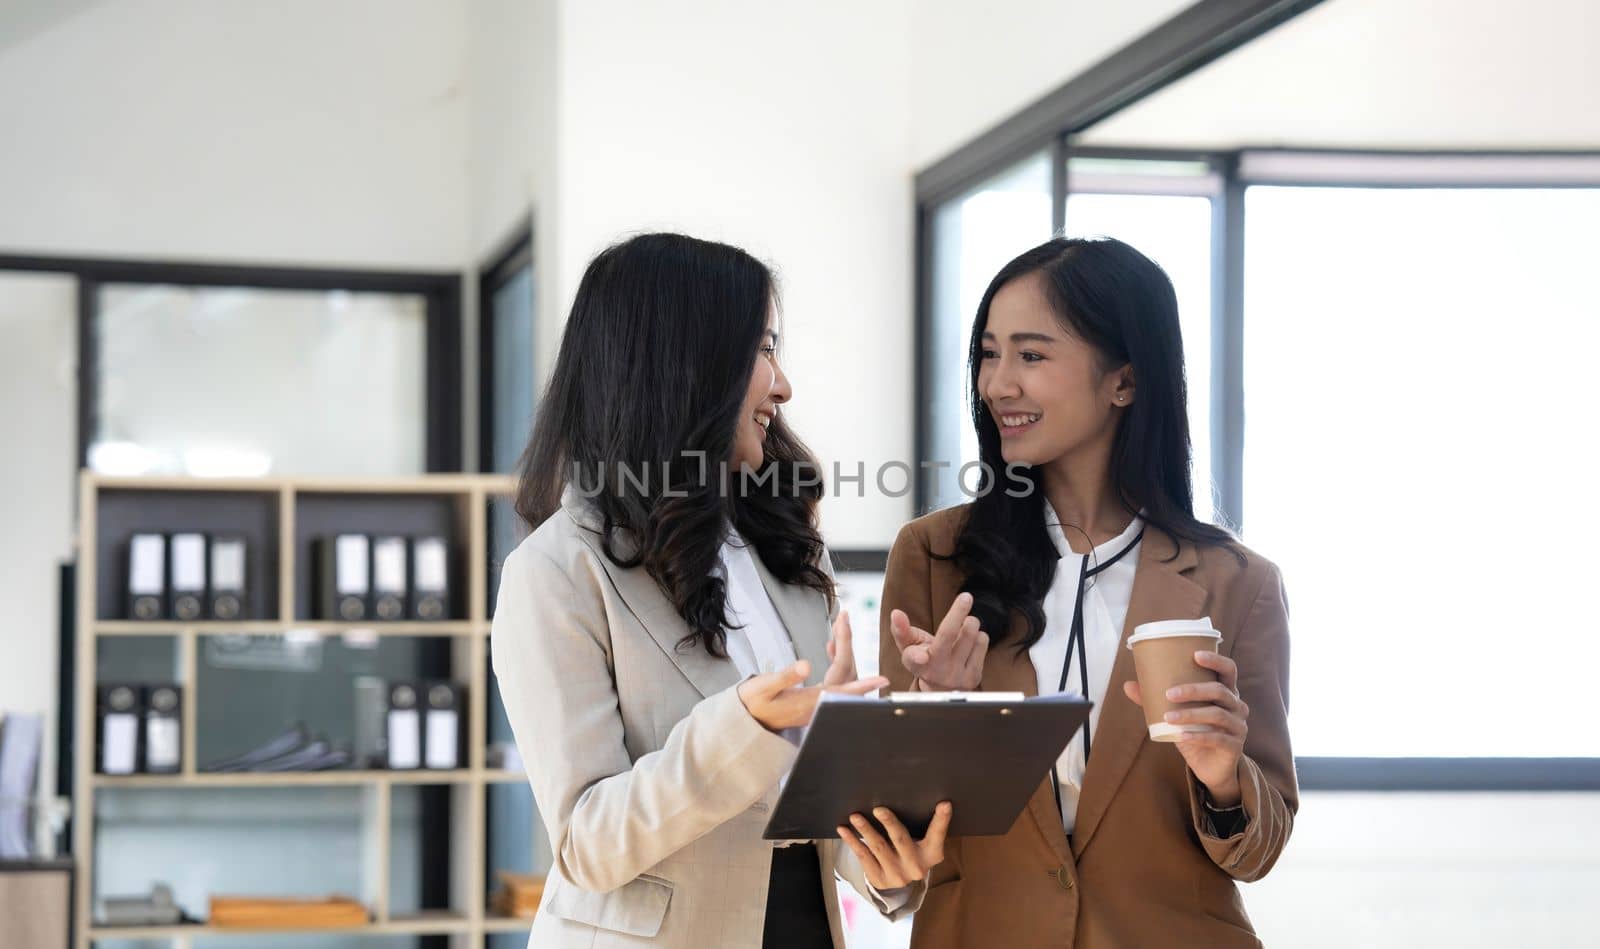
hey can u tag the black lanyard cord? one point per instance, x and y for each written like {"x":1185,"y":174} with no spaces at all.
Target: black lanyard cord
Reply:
{"x":1077,"y":641}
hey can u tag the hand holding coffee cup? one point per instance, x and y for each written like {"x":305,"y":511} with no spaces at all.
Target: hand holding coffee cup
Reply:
{"x":1190,"y":696}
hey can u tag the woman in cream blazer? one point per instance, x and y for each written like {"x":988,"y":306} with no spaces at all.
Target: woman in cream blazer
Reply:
{"x":654,"y":635}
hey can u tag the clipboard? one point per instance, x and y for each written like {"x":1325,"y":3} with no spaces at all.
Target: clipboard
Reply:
{"x":984,"y":752}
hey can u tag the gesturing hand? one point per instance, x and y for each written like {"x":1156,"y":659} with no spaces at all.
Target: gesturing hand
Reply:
{"x":899,"y":860}
{"x":1212,"y":755}
{"x":950,"y":659}
{"x":780,"y":700}
{"x":841,"y":656}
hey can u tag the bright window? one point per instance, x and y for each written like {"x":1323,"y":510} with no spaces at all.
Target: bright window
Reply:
{"x":974,"y":235}
{"x":1174,"y":230}
{"x":1420,"y":458}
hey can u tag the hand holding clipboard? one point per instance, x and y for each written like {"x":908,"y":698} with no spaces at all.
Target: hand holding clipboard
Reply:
{"x":983,"y":752}
{"x":889,"y":857}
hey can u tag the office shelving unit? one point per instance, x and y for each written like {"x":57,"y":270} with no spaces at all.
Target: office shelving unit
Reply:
{"x":280,"y":516}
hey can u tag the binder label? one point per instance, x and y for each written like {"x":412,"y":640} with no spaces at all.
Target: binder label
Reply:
{"x":350,"y":553}
{"x":162,"y":746}
{"x":431,"y":566}
{"x":146,"y":565}
{"x":389,"y":565}
{"x":188,"y":562}
{"x":405,"y":737}
{"x":442,"y":732}
{"x":119,"y":744}
{"x":227,"y":565}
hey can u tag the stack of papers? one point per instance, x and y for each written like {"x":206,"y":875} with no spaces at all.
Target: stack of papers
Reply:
{"x":156,"y":909}
{"x":293,"y":749}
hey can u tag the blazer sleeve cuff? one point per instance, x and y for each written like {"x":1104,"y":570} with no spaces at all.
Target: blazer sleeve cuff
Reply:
{"x":755,"y":757}
{"x":900,"y":902}
{"x":895,"y":904}
{"x":1248,"y":853}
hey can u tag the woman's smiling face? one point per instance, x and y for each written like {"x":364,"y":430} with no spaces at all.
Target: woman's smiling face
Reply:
{"x":1047,"y":390}
{"x":768,"y":388}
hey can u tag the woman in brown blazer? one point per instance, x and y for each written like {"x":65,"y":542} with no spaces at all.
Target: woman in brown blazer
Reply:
{"x":1081,"y":529}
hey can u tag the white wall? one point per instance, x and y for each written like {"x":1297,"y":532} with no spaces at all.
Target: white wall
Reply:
{"x":794,"y":132}
{"x":1422,"y":74}
{"x":973,"y":64}
{"x":297,"y":132}
{"x":502,"y":64}
{"x":289,"y":132}
{"x":782,"y":129}
{"x":38,"y":422}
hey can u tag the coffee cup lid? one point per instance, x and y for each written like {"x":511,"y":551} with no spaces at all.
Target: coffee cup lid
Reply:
{"x":1173,"y":628}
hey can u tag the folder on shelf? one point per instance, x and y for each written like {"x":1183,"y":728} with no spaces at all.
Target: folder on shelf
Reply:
{"x":442,"y":726}
{"x":163,"y":729}
{"x":186,"y":558}
{"x":343,"y":576}
{"x":430,"y":578}
{"x":147,"y":576}
{"x":117,"y":728}
{"x":519,"y":894}
{"x":228,"y":589}
{"x":404,"y":727}
{"x":984,"y":752}
{"x":504,"y":756}
{"x":261,"y":913}
{"x":390,"y":577}
{"x":371,"y":709}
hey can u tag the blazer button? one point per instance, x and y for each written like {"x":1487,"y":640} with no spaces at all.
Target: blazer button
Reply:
{"x":1063,"y":877}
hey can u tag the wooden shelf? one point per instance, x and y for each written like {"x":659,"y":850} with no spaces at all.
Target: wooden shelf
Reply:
{"x":502,"y":776}
{"x":277,"y":628}
{"x":506,"y":924}
{"x":269,"y":779}
{"x":406,"y":628}
{"x":441,"y":924}
{"x":283,"y":513}
{"x":499,"y":485}
{"x":425,"y":923}
{"x":178,"y":627}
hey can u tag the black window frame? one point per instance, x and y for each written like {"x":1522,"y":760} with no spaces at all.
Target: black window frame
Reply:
{"x":1188,"y":41}
{"x":441,"y":292}
{"x":515,"y":254}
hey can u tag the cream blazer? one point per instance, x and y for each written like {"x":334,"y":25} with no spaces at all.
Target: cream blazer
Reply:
{"x":652,"y":779}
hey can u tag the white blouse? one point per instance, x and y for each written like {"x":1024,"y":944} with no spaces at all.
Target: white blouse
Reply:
{"x":1105,"y":608}
{"x":763,"y":644}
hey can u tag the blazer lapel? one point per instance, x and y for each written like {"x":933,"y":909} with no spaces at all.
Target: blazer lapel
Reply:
{"x":1007,"y":669}
{"x":1161,"y":590}
{"x":655,"y":612}
{"x":804,"y":615}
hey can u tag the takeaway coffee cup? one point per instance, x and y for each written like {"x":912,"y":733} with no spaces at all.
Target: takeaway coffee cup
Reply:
{"x":1163,"y":656}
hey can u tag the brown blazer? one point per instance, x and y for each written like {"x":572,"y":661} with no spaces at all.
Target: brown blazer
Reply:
{"x":1142,"y":868}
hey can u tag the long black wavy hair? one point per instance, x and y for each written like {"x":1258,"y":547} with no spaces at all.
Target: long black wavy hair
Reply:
{"x":642,"y":409}
{"x":1121,"y":303}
